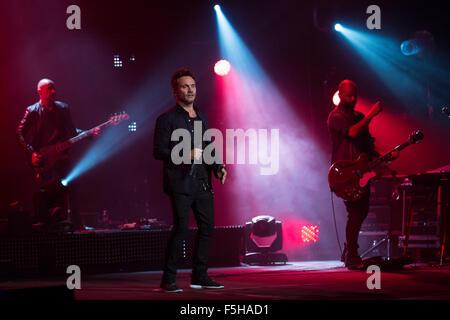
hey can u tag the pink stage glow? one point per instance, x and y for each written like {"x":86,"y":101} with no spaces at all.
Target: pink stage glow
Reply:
{"x":299,"y":186}
{"x":391,"y":128}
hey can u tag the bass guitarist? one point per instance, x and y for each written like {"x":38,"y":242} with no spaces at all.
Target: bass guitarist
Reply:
{"x":350,"y":137}
{"x":46,"y":123}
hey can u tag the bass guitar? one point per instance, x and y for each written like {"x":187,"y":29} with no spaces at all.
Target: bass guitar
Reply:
{"x":48,"y":155}
{"x":348,"y":179}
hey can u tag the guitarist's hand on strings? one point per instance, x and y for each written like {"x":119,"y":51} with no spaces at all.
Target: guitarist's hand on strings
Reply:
{"x":395,"y":154}
{"x":96,"y":131}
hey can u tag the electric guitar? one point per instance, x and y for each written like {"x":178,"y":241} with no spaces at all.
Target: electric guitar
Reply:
{"x":348,"y":179}
{"x":50,"y":154}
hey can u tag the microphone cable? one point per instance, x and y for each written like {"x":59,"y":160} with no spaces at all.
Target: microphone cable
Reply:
{"x":335,"y":224}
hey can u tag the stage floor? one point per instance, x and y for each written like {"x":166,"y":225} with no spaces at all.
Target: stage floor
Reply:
{"x":312,"y":280}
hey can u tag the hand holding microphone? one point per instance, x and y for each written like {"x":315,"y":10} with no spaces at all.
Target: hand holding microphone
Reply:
{"x":196,"y":154}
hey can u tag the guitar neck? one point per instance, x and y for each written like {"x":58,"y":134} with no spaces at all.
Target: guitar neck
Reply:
{"x":62,"y":146}
{"x":87,"y":133}
{"x":387,"y":156}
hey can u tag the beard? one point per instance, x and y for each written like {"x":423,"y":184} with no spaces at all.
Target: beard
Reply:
{"x":187,"y":99}
{"x":348,"y":105}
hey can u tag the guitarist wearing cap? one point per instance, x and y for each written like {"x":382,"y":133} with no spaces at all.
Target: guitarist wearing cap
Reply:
{"x":44,"y":124}
{"x":350,"y":137}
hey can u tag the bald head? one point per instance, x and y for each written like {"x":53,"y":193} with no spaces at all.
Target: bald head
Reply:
{"x":44,"y":82}
{"x":346,"y":83}
{"x":46,"y":91}
{"x":347,"y":94}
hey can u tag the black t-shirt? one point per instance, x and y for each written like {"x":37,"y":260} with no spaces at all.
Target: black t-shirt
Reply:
{"x":40,"y":128}
{"x":200,"y":171}
{"x":345,"y":147}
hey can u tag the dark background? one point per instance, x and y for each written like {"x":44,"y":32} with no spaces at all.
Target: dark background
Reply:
{"x":301,"y":54}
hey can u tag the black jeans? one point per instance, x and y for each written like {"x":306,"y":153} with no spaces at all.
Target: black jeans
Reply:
{"x":51,"y":203}
{"x":202,"y":204}
{"x":357,"y":211}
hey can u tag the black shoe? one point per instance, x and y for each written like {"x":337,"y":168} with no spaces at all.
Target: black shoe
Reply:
{"x":205,"y":283}
{"x":170,"y":287}
{"x":354,"y":262}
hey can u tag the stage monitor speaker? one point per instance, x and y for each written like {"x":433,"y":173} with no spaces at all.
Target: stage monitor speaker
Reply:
{"x":385,"y":209}
{"x":426,"y":210}
{"x":382,"y":226}
{"x":426,"y":215}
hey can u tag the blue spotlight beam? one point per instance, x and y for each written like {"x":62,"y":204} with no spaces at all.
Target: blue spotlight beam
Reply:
{"x":107,"y":144}
{"x":139,"y":106}
{"x":252,"y":100}
{"x":403,"y":77}
{"x":232,"y":48}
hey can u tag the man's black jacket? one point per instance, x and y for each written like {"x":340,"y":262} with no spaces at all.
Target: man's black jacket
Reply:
{"x":177,"y":178}
{"x":39,"y":128}
{"x":43,"y":128}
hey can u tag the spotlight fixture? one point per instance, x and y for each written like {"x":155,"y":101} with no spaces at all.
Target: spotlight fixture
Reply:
{"x":336,"y":98}
{"x":132,"y":127}
{"x":263,"y":237}
{"x":222,"y":67}
{"x":310,"y":234}
{"x":338,"y":27}
{"x":117,"y":62}
{"x":216,"y":7}
{"x":422,"y":42}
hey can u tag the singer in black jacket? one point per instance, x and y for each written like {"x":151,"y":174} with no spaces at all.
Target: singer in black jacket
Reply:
{"x":188,"y":185}
{"x":180,"y":178}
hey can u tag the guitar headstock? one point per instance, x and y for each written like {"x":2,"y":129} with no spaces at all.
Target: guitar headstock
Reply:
{"x":415,"y":137}
{"x":119,"y":117}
